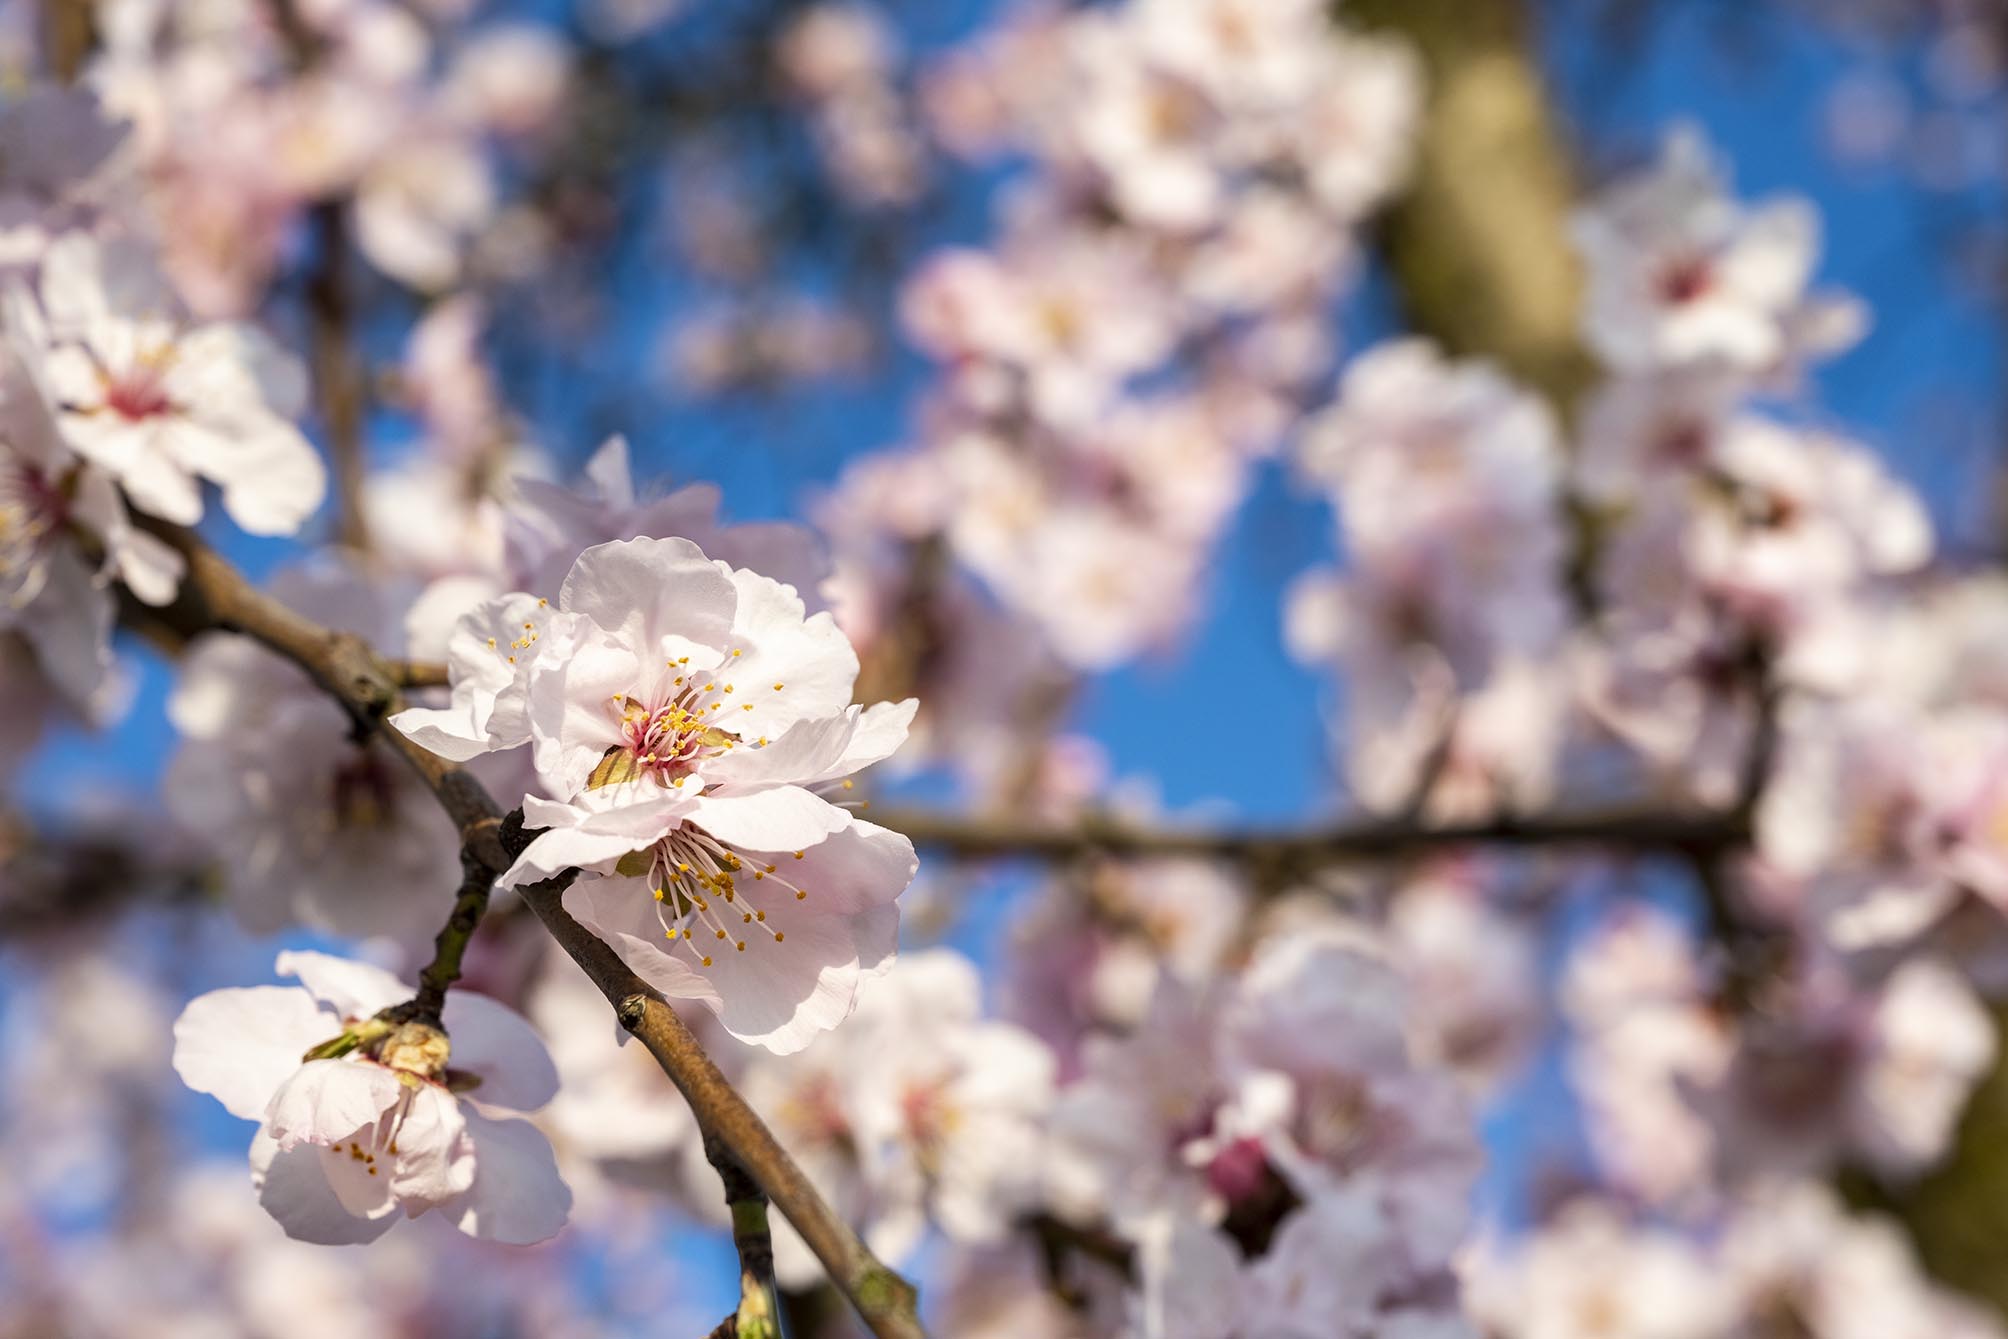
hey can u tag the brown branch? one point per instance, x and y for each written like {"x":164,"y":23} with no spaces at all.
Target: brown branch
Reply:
{"x":69,"y":32}
{"x":408,"y":674}
{"x":215,"y":596}
{"x":477,"y":879}
{"x":1296,"y":853}
{"x":339,"y":385}
{"x":1479,"y":242}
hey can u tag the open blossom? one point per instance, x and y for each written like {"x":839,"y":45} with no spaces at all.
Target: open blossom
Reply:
{"x":159,"y":402}
{"x":1646,"y":1038}
{"x":1292,"y":1095}
{"x":319,"y":827}
{"x":394,"y":1116}
{"x":1881,"y":817}
{"x":1324,"y":1276}
{"x":917,"y":1111}
{"x":1589,"y":1274}
{"x":679,"y":713}
{"x":1680,"y":273}
{"x":1874,"y":1076}
{"x":548,"y":526}
{"x":1447,"y":480}
{"x":51,"y":505}
{"x":1792,"y":1251}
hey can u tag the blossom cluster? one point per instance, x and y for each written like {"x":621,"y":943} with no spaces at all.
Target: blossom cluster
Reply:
{"x":1391,"y":1081}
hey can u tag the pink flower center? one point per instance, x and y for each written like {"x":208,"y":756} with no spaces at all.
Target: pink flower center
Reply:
{"x":1685,"y":280}
{"x":1238,"y":1171}
{"x":665,"y":741}
{"x":139,"y":394}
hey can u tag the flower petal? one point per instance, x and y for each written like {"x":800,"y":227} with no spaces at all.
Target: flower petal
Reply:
{"x":493,"y":1041}
{"x":352,"y":989}
{"x":329,"y":1102}
{"x":241,"y":1046}
{"x":517,"y":1197}
{"x":294,"y":1189}
{"x":646,"y":590}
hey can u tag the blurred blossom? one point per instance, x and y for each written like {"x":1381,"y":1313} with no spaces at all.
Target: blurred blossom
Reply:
{"x":1446,"y":479}
{"x":1867,"y":117}
{"x":509,"y":79}
{"x":1679,"y":273}
{"x":316,"y":826}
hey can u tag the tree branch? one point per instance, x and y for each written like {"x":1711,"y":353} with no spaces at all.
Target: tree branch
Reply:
{"x":69,"y":31}
{"x":338,"y":382}
{"x":477,"y":878}
{"x":1479,"y":242}
{"x":1297,"y":853}
{"x":215,"y":596}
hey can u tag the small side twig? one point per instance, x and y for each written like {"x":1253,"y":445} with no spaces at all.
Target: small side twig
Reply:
{"x":759,"y":1315}
{"x":477,"y":878}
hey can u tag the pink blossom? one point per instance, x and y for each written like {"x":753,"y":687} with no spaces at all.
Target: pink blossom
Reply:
{"x":679,"y":709}
{"x":157,"y":402}
{"x":316,"y":827}
{"x":1679,"y":273}
{"x":344,"y":1143}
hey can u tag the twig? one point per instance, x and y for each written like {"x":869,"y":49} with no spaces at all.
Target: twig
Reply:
{"x":759,"y":1313}
{"x":69,"y":31}
{"x":477,"y":878}
{"x":215,"y":596}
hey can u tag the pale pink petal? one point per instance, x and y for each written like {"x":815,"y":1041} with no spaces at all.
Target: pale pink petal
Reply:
{"x":352,"y":989}
{"x":646,"y":590}
{"x":434,"y":1155}
{"x":241,"y":1046}
{"x":294,"y":1189}
{"x":517,"y":1197}
{"x":498,"y":1045}
{"x":329,"y":1102}
{"x":779,"y":818}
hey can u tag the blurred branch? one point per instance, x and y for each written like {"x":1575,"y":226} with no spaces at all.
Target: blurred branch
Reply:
{"x":341,"y":391}
{"x":339,"y":385}
{"x":52,"y":881}
{"x":215,"y":596}
{"x":69,"y":32}
{"x":418,"y":674}
{"x":1287,"y":853}
{"x":1479,"y":242}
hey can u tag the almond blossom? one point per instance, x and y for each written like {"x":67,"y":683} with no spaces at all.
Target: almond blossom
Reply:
{"x":379,"y":1116}
{"x":1447,"y":480}
{"x":317,"y":826}
{"x":1680,"y":273}
{"x":158,"y":401}
{"x":679,"y":712}
{"x":917,"y":1111}
{"x":1289,"y":1105}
